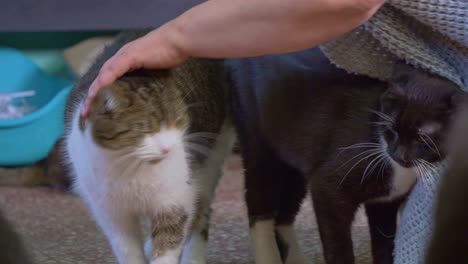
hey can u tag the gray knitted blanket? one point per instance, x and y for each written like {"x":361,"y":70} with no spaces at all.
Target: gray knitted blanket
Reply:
{"x":432,"y":35}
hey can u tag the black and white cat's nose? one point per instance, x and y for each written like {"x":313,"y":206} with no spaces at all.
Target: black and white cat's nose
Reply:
{"x":402,"y":156}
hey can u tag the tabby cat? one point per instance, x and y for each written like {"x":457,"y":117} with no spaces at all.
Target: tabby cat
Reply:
{"x":149,"y":156}
{"x":305,"y":125}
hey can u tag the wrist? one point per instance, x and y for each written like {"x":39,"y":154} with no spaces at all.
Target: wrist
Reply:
{"x":173,"y":34}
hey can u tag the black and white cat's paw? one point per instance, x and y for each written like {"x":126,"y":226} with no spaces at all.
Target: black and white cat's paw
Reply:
{"x":262,"y":234}
{"x":290,"y":250}
{"x":295,"y":258}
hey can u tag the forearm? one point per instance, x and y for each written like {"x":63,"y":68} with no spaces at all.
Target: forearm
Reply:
{"x":242,"y":28}
{"x":236,"y":28}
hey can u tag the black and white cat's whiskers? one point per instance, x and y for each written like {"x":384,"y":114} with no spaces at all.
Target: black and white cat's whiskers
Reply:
{"x":430,"y":143}
{"x":426,"y":171}
{"x":374,"y":150}
{"x":386,"y":119}
{"x":381,"y":160}
{"x":378,"y":151}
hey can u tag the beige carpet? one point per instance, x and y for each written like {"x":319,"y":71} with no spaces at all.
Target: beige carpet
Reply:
{"x":57,"y":228}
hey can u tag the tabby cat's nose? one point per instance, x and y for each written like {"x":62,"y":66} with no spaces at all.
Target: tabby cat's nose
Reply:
{"x":165,"y":150}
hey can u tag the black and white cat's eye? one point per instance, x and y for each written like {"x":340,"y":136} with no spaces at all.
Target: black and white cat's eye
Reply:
{"x":389,"y":101}
{"x":391,"y":136}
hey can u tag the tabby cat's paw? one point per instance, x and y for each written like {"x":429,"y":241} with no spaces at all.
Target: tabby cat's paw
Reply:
{"x":193,"y":259}
{"x":193,"y":262}
{"x":166,"y":260}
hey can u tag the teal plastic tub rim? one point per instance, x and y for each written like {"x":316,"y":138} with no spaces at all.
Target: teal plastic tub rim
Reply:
{"x":62,"y":87}
{"x":38,"y":113}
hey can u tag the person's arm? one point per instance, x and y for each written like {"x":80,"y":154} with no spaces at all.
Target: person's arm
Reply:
{"x":237,"y":28}
{"x":242,"y":28}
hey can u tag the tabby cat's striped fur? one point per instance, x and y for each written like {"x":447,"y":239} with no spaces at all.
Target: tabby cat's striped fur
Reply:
{"x":149,"y":156}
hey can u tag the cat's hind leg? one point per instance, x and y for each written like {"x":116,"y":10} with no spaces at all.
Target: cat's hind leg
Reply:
{"x":335,"y":212}
{"x":207,"y":177}
{"x":294,"y":190}
{"x":168,"y":232}
{"x":263,"y":173}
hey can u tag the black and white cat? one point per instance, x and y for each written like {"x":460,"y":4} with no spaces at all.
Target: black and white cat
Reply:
{"x":351,"y":140}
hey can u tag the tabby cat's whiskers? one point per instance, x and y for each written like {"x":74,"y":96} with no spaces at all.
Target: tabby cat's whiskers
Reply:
{"x":201,"y":149}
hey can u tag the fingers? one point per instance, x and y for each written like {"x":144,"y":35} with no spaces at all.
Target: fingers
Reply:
{"x":151,"y":51}
{"x":123,"y":61}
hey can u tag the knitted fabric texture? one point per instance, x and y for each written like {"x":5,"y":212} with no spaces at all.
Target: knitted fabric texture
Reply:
{"x":416,"y":223}
{"x":429,"y":34}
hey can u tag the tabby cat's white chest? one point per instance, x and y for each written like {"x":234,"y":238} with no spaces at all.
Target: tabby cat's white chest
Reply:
{"x":125,"y":182}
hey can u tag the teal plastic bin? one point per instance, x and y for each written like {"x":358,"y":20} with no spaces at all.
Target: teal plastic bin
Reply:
{"x":28,"y":139}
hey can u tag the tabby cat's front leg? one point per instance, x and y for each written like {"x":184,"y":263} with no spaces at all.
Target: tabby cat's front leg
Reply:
{"x":124,"y":235}
{"x":168,"y":233}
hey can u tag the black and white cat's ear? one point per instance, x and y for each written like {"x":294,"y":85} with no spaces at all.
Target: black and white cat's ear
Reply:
{"x":458,"y":100}
{"x":401,"y":76}
{"x":401,"y":73}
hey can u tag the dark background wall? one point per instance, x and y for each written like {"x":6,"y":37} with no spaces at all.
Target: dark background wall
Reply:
{"x":66,"y":15}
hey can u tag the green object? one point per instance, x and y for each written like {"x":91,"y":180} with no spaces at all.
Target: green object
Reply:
{"x":48,"y":39}
{"x":28,"y":139}
{"x":51,"y":61}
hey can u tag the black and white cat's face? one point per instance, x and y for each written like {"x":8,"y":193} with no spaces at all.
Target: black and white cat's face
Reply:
{"x":413,"y":133}
{"x":415,"y":116}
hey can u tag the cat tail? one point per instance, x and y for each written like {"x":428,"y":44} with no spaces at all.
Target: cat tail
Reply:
{"x":50,"y":172}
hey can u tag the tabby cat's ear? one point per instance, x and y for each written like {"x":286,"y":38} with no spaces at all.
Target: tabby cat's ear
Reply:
{"x":104,"y":101}
{"x":114,"y":97}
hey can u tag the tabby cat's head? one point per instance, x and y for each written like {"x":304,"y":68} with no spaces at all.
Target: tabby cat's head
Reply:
{"x":141,"y":115}
{"x":416,"y":114}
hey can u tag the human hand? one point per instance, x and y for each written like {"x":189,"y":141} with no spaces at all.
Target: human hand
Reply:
{"x":158,"y":49}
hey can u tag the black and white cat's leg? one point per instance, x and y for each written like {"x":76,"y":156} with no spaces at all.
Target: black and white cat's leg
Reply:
{"x":263,"y":173}
{"x":382,"y":218}
{"x":294,"y":188}
{"x":123,"y":232}
{"x":335,"y":213}
{"x":207,"y":178}
{"x":169,"y":230}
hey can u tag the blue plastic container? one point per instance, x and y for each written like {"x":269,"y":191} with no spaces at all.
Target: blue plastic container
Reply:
{"x":28,"y":139}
